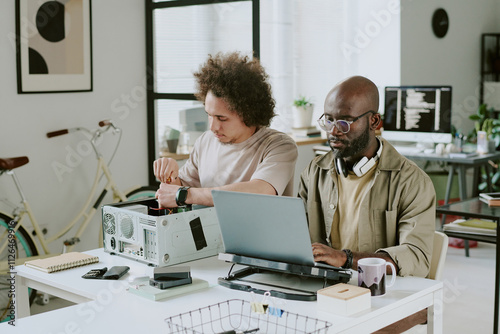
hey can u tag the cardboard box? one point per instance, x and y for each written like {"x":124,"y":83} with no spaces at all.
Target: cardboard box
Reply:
{"x":344,"y":299}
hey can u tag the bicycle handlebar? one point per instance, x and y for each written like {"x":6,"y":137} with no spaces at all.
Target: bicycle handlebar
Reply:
{"x":102,"y":123}
{"x":57,"y":133}
{"x":105,"y":122}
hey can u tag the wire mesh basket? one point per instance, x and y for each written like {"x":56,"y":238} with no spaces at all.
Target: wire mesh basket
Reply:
{"x":237,"y":316}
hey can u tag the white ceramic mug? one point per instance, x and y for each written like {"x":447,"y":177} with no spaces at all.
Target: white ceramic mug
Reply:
{"x":372,"y":274}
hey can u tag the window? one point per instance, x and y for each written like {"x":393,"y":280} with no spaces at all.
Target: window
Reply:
{"x":306,"y":47}
{"x":180,"y":35}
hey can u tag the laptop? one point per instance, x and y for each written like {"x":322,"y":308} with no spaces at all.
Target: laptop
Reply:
{"x":265,"y":227}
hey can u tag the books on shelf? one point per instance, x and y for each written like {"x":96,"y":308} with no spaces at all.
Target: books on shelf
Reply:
{"x":310,"y":131}
{"x":62,"y":262}
{"x":475,"y":226}
{"x":321,"y":149}
{"x":492,"y":199}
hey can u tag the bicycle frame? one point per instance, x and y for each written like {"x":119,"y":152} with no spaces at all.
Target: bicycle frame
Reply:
{"x":87,"y":212}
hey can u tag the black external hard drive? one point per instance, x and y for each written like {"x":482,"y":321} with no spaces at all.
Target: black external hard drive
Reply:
{"x":165,"y":283}
{"x":171,"y":272}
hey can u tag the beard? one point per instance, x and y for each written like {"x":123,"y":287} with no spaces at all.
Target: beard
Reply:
{"x":230,"y":142}
{"x":353,"y":147}
{"x":223,"y":142}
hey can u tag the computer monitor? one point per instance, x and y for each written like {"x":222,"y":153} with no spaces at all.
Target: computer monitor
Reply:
{"x":418,"y":114}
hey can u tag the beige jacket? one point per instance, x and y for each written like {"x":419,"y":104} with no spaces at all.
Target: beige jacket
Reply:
{"x":397,"y":217}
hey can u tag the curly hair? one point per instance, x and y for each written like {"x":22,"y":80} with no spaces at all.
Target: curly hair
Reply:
{"x":241,"y":82}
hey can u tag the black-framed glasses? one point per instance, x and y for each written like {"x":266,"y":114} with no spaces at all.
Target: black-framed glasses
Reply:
{"x":341,"y":124}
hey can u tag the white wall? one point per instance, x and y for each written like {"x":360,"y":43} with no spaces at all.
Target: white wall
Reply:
{"x":373,"y":42}
{"x":452,"y":60}
{"x":118,"y":38}
{"x":118,"y":67}
{"x":307,"y":46}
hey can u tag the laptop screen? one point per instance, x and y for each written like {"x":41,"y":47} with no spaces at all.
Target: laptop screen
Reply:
{"x":264,"y":226}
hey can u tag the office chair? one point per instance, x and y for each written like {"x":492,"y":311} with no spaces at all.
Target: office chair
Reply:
{"x":438,"y":255}
{"x":414,"y":323}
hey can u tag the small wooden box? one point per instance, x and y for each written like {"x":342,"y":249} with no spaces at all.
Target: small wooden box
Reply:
{"x":344,"y":299}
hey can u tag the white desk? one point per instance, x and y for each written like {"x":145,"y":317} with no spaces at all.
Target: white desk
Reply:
{"x":112,"y":308}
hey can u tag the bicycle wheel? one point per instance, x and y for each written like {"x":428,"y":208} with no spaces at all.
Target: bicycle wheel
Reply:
{"x":21,"y":248}
{"x":142,"y":193}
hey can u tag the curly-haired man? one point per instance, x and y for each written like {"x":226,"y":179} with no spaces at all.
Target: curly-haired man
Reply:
{"x":240,"y":152}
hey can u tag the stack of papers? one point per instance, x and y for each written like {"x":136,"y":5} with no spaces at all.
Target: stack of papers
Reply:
{"x":310,"y":131}
{"x":475,"y":226}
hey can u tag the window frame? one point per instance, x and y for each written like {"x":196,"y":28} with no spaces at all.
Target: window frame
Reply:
{"x":152,"y":95}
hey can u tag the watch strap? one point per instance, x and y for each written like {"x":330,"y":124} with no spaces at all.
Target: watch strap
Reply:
{"x":350,"y":258}
{"x":181,"y":196}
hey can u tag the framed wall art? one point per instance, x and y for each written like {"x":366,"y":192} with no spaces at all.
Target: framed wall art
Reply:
{"x":54,"y":46}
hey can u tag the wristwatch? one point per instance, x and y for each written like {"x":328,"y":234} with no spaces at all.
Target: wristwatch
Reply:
{"x":181,"y":196}
{"x":348,"y":262}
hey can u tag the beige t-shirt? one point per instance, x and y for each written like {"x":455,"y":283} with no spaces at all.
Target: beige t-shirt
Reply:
{"x":352,"y":191}
{"x":267,"y":155}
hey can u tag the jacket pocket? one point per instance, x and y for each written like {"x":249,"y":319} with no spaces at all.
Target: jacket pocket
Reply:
{"x":386,"y":228}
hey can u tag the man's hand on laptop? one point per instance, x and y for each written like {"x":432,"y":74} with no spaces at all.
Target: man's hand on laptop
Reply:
{"x":326,"y":254}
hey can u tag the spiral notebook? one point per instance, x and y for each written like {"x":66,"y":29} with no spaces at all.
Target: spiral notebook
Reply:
{"x":62,"y":262}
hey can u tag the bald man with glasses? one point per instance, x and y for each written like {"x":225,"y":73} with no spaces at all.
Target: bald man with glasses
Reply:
{"x":364,"y":199}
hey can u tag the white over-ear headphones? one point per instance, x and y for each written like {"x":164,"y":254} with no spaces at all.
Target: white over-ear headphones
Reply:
{"x":361,"y":167}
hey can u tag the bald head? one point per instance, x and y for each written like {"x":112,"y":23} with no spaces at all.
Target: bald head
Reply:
{"x":354,"y":91}
{"x":353,"y":99}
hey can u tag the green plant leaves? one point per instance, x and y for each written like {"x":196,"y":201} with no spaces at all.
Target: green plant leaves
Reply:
{"x":302,"y":101}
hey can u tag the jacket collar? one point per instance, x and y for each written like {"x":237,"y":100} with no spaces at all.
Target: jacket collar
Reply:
{"x":390,"y":159}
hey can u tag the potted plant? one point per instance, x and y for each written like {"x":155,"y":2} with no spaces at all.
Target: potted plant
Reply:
{"x":302,"y":112}
{"x":486,"y":129}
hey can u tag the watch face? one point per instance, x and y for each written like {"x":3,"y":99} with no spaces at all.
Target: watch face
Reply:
{"x":440,"y":23}
{"x":183,"y":195}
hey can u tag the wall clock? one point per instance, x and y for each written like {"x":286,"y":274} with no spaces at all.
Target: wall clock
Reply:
{"x":440,"y":23}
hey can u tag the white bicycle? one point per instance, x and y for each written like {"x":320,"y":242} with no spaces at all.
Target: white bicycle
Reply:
{"x":16,"y":243}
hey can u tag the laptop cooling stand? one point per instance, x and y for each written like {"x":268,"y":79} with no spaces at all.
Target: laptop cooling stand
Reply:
{"x":296,"y":274}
